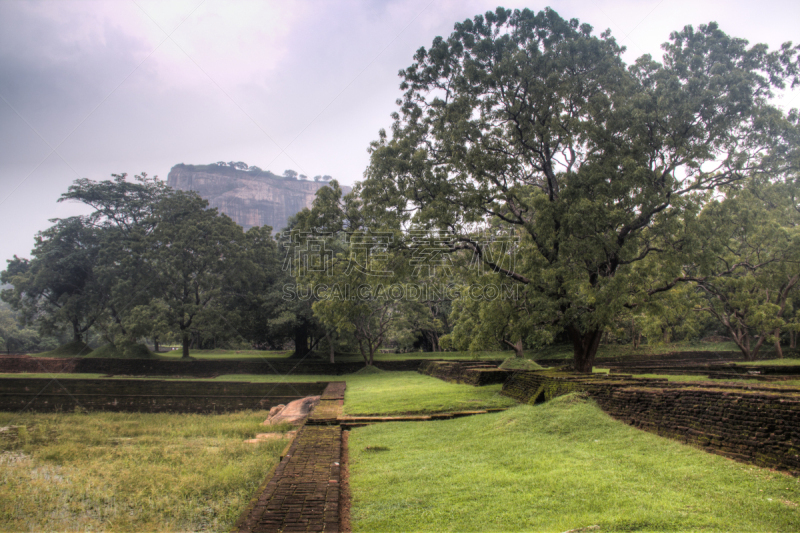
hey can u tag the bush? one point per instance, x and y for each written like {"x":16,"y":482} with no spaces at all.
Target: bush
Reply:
{"x":519,"y":363}
{"x":71,"y":349}
{"x":124,"y":350}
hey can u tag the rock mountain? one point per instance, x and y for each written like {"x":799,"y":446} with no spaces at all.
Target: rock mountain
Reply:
{"x":250,"y":197}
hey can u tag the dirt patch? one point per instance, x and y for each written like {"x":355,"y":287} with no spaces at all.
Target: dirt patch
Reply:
{"x":344,"y":486}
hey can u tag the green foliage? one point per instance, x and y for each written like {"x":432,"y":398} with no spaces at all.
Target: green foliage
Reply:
{"x":747,"y":271}
{"x":518,"y":363}
{"x":17,"y":336}
{"x":367,"y":370}
{"x":528,"y":121}
{"x":73,"y":348}
{"x":149,"y":262}
{"x":59,"y":287}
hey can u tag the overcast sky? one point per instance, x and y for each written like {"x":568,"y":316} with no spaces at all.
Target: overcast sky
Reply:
{"x":93,"y":88}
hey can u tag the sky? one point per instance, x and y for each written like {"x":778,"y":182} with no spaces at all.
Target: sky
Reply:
{"x":92,"y":88}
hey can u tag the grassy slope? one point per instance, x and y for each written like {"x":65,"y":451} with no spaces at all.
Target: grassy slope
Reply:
{"x":410,"y":392}
{"x":130,"y":472}
{"x":776,"y":362}
{"x":226,"y":354}
{"x":71,"y":349}
{"x":555,"y":467}
{"x":787,"y":384}
{"x":126,"y":350}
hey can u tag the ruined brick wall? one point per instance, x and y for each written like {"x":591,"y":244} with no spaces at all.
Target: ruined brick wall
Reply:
{"x":755,"y":426}
{"x":150,"y":396}
{"x":758,"y":427}
{"x":157,"y":367}
{"x":478,"y":374}
{"x":24,"y":363}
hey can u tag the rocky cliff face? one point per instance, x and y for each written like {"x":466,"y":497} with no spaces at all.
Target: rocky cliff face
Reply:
{"x":250,"y":198}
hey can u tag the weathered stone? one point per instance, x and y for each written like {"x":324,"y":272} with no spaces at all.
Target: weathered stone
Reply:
{"x":249,"y":198}
{"x":294,"y":412}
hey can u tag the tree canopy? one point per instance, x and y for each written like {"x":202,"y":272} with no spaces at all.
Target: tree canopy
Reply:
{"x":533,"y":120}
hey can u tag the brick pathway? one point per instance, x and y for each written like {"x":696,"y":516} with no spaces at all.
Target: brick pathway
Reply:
{"x":303,"y":493}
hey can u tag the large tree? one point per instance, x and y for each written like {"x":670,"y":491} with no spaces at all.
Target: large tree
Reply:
{"x":191,"y":257}
{"x":532,"y":119}
{"x":123,"y":217}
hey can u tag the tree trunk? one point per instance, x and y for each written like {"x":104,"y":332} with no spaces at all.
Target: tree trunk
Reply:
{"x":329,"y":337}
{"x":584,"y":348}
{"x":301,"y":341}
{"x":517,"y":347}
{"x":76,"y":333}
{"x":186,"y":340}
{"x":778,"y":350}
{"x":155,"y":344}
{"x":361,"y":349}
{"x":793,"y":339}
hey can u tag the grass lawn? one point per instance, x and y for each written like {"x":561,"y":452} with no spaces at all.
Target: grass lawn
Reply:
{"x":130,"y":472}
{"x":787,"y":384}
{"x":392,"y":393}
{"x":554,"y":467}
{"x":770,"y":362}
{"x":175,"y":355}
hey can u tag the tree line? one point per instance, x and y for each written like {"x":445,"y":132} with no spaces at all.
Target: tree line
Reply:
{"x":544,"y":190}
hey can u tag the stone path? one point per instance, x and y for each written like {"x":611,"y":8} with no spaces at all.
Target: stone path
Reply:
{"x":303,"y":493}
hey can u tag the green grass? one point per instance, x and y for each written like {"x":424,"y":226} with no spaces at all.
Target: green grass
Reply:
{"x":71,"y":349}
{"x":123,"y":350}
{"x":787,"y":384}
{"x":445,"y":356}
{"x":130,"y":472}
{"x":555,"y":467}
{"x":409,"y":392}
{"x":226,"y":354}
{"x":776,"y":362}
{"x":520,"y":363}
{"x":606,"y":351}
{"x":394,"y":393}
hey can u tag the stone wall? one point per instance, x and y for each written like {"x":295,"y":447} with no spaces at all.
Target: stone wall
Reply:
{"x":483,"y":373}
{"x":24,"y":363}
{"x":158,"y":367}
{"x":755,"y":425}
{"x":150,"y":396}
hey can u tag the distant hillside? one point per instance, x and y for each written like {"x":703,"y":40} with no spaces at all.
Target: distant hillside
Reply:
{"x":252,"y":197}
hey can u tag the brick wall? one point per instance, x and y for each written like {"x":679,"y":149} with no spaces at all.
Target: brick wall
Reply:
{"x":758,"y":426}
{"x":149,"y":396}
{"x":483,"y":373}
{"x":156,"y":367}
